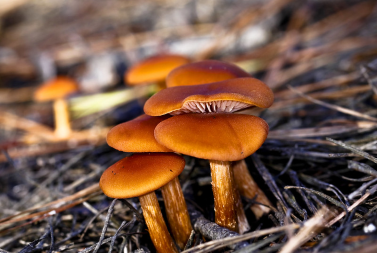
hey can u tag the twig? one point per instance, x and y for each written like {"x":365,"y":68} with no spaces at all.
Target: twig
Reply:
{"x":122,"y":226}
{"x":308,"y":231}
{"x":362,"y":167}
{"x":334,"y":107}
{"x":133,"y":209}
{"x":354,"y":150}
{"x":104,"y":229}
{"x":221,"y":243}
{"x":358,"y":202}
{"x":362,"y":188}
{"x":213,"y":231}
{"x":332,"y":200}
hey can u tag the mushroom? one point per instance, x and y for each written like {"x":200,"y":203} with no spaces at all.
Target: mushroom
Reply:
{"x":138,"y":136}
{"x":201,"y":72}
{"x":220,"y":138}
{"x":140,"y":175}
{"x":225,"y":96}
{"x":209,"y":71}
{"x":57,"y":89}
{"x":154,"y":69}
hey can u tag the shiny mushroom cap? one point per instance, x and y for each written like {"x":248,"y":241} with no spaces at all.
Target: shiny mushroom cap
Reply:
{"x":225,"y":96}
{"x":154,"y":69}
{"x":140,"y":174}
{"x":59,"y":87}
{"x":201,"y":72}
{"x":213,"y":136}
{"x":136,"y":135}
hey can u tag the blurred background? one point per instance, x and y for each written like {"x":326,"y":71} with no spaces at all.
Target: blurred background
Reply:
{"x":318,"y":56}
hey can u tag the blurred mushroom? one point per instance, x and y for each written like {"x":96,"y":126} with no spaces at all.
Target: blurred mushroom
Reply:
{"x":57,"y":89}
{"x":154,"y":69}
{"x":202,"y":72}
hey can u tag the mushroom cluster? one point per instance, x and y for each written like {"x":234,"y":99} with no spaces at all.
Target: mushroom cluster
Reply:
{"x":194,"y":116}
{"x":204,"y":126}
{"x":210,"y":71}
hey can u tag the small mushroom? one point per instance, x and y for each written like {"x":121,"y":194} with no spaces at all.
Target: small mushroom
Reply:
{"x":138,"y":136}
{"x":154,"y":69}
{"x":140,"y":175}
{"x":56,"y":90}
{"x":220,"y":138}
{"x":201,"y":72}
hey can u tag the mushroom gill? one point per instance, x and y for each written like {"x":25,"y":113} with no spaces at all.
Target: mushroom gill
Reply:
{"x":219,"y":106}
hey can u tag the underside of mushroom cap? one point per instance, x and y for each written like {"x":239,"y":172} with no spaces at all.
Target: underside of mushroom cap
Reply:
{"x":140,"y":174}
{"x":201,"y":72}
{"x":247,"y":92}
{"x":214,"y":136}
{"x":137,"y":135}
{"x":154,"y":69}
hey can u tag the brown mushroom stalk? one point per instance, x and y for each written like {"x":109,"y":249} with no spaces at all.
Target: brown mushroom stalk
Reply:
{"x":156,"y":225}
{"x":228,"y":202}
{"x":248,"y":188}
{"x":61,"y":117}
{"x":176,"y":212}
{"x":243,"y":223}
{"x":222,"y":188}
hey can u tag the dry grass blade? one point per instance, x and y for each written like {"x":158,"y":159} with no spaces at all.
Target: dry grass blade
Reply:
{"x":338,"y":94}
{"x":354,"y":150}
{"x":218,"y":244}
{"x":331,"y":82}
{"x":341,"y":18}
{"x":334,"y":107}
{"x":353,"y":206}
{"x":39,"y":210}
{"x":91,"y":137}
{"x":319,"y":131}
{"x":11,"y":121}
{"x":310,"y":229}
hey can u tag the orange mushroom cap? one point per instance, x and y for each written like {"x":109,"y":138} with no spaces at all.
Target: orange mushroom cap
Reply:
{"x":213,"y":136}
{"x":140,"y":174}
{"x":154,"y":69}
{"x":225,"y":96}
{"x":201,"y":72}
{"x":136,"y":135}
{"x":56,"y":88}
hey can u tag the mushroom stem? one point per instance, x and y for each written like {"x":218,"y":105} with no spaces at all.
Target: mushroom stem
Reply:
{"x":176,"y":212}
{"x":62,"y":124}
{"x":248,"y":188}
{"x":243,"y":223}
{"x":223,"y":193}
{"x":156,"y":225}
